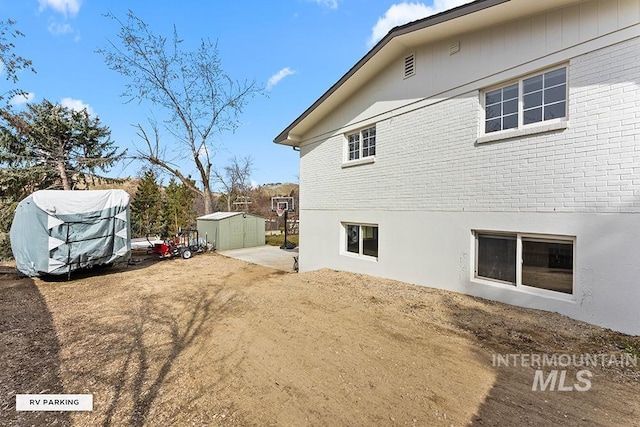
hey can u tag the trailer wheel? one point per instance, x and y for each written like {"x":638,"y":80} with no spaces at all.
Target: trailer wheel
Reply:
{"x":186,"y":254}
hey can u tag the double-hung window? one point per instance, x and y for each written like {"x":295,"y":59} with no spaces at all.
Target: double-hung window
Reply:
{"x":534,"y":99}
{"x":543,"y":262}
{"x":362,"y":239}
{"x":362,"y":144}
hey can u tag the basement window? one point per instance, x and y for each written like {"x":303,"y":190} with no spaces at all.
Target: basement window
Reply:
{"x":526,"y":261}
{"x":361,"y":239}
{"x":496,"y":257}
{"x":547,"y":264}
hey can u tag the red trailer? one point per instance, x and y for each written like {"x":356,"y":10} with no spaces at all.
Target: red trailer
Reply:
{"x":186,"y":244}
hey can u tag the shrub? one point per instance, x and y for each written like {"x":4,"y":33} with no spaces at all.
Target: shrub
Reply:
{"x":5,"y":247}
{"x":278,"y":240}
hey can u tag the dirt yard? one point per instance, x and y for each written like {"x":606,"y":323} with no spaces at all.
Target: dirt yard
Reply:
{"x":216,"y":341}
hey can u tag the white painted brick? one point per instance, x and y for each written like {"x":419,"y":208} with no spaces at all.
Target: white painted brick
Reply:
{"x":428,"y":159}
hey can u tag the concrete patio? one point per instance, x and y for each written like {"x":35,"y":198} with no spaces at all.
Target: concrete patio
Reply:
{"x":268,"y":256}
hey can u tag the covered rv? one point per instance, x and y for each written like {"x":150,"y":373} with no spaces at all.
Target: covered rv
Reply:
{"x":56,"y":232}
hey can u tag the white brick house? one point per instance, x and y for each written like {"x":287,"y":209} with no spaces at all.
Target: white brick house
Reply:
{"x":493,"y":150}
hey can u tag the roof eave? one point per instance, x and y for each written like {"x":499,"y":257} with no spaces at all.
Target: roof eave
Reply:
{"x":288,"y":137}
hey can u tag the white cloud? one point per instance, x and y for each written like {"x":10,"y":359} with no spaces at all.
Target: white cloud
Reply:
{"x":275,"y":79}
{"x":65,"y":7}
{"x":57,"y":28}
{"x":76,"y":105}
{"x":331,"y":4}
{"x":203,"y":151}
{"x":22,"y":99}
{"x":402,"y":13}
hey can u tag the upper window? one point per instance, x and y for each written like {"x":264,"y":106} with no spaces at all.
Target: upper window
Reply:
{"x":533,"y":99}
{"x":362,"y":144}
{"x":545,"y":263}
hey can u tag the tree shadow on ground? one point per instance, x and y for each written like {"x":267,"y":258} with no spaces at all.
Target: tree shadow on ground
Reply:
{"x":512,"y":400}
{"x":144,"y":348}
{"x":138,"y":261}
{"x":29,"y":352}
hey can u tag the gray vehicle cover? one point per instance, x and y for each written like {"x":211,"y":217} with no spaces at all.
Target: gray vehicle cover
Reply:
{"x":56,"y":232}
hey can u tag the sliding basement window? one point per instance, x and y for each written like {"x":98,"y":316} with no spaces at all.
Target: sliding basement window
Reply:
{"x":542,"y":262}
{"x":362,"y":239}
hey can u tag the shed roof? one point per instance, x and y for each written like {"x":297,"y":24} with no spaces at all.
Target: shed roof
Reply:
{"x":219,"y":215}
{"x":216,"y":216}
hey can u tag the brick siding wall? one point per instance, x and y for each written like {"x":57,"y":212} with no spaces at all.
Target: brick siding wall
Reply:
{"x":428,"y":159}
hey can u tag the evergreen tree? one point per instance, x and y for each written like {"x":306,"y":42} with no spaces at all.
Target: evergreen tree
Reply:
{"x":55,"y":146}
{"x":15,"y":185}
{"x":10,"y":62}
{"x":178,"y":209}
{"x":146,"y":207}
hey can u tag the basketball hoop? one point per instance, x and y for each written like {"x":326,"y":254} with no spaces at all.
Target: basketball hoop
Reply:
{"x":282,"y":205}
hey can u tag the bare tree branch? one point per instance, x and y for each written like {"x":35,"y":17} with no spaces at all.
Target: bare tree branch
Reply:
{"x":235,"y":179}
{"x":152,"y":156}
{"x":200,"y":100}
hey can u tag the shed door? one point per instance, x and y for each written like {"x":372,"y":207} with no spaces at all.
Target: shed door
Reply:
{"x":249,"y":232}
{"x":237,"y":232}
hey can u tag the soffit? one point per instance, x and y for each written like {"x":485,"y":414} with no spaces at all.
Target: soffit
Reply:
{"x":447,"y":25}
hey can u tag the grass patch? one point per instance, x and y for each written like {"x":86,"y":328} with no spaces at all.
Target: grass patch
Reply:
{"x":620,"y":342}
{"x":630,"y":346}
{"x":279,"y":239}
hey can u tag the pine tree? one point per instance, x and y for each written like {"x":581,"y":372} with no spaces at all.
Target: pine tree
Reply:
{"x":15,"y":185}
{"x":55,"y":145}
{"x":10,"y":62}
{"x":146,"y":207}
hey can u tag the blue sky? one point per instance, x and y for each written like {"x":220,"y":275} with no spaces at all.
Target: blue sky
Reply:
{"x":296,"y":49}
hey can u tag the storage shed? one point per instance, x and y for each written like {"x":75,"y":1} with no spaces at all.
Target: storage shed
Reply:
{"x":232,"y":230}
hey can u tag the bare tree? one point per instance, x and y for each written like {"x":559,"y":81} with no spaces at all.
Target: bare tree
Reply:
{"x":200,"y":99}
{"x":235,"y":179}
{"x":10,"y":62}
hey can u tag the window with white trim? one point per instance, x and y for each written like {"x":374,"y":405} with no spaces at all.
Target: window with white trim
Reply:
{"x":534,"y":99}
{"x":361,"y":144}
{"x":545,"y":262}
{"x":362,"y":239}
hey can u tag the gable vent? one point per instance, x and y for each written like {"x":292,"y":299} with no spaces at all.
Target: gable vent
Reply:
{"x":409,"y":65}
{"x":454,"y":48}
